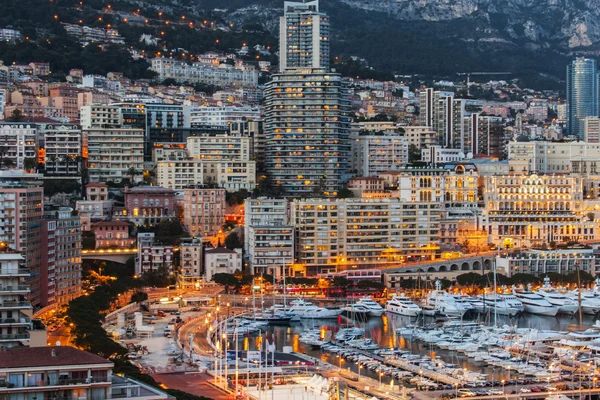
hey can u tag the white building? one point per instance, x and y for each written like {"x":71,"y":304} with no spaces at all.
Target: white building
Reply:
{"x":542,"y":262}
{"x":190,"y":268}
{"x":100,"y":116}
{"x":440,"y":155}
{"x":18,"y":142}
{"x":215,"y":148}
{"x":373,"y":153}
{"x":591,"y":129}
{"x":221,"y":261}
{"x":152,"y":256}
{"x":422,"y":137}
{"x":3,"y":101}
{"x":553,"y":157}
{"x":271,"y":249}
{"x":224,"y":115}
{"x":113,"y":151}
{"x":62,"y":149}
{"x":264,"y":211}
{"x":217,"y":75}
{"x":230,"y":175}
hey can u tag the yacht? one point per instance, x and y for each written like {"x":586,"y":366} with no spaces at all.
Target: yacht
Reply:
{"x":535,"y":304}
{"x":375,"y":309}
{"x":307,"y":309}
{"x":590,"y":301}
{"x":565,"y":305}
{"x":502,"y":304}
{"x":356,"y":310}
{"x":445,"y":303}
{"x":400,"y":304}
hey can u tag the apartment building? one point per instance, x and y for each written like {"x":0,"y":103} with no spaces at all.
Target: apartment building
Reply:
{"x":542,"y":262}
{"x":112,"y":152}
{"x":61,"y":257}
{"x":100,"y":116}
{"x":376,"y":152}
{"x":63,"y":372}
{"x":342,"y":234}
{"x":528,"y":210}
{"x":153,"y":256}
{"x":112,"y":234}
{"x":264,"y":211}
{"x":95,"y":207}
{"x":18,"y":142}
{"x":542,"y":157}
{"x":223,"y":115}
{"x":190,"y":268}
{"x":230,"y":175}
{"x":221,"y":260}
{"x":271,"y":249}
{"x":60,"y":149}
{"x":203,"y":211}
{"x":223,"y":75}
{"x":215,"y":148}
{"x":422,"y":137}
{"x":16,"y":325}
{"x":148,"y":205}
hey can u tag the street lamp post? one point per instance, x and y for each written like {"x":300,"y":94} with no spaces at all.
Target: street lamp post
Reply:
{"x":503,"y":382}
{"x":359,"y":368}
{"x":380,"y":375}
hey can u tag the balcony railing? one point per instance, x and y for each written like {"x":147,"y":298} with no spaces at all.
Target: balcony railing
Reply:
{"x":9,"y":272}
{"x":15,"y":336}
{"x":19,"y":288}
{"x":11,"y":304}
{"x":15,"y":321}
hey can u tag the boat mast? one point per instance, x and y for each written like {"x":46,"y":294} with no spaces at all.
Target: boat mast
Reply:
{"x":284,"y":287}
{"x":495,"y":294}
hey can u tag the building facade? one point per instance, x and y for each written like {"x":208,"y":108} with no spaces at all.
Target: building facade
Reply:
{"x":582,"y":94}
{"x":221,"y":260}
{"x":60,"y":145}
{"x":112,"y":152}
{"x":112,"y":234}
{"x":271,"y":249}
{"x":18,"y":143}
{"x":542,"y":262}
{"x":373,"y":153}
{"x":149,"y":205}
{"x":153,"y":256}
{"x":204,"y":211}
{"x":190,"y":265}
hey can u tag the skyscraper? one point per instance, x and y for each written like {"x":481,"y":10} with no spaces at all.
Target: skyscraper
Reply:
{"x":303,"y":36}
{"x":307,"y":124}
{"x":582,"y":94}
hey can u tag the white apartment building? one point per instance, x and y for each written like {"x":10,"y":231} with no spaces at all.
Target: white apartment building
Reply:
{"x":113,"y":151}
{"x":271,"y":249}
{"x":179,"y":174}
{"x":235,"y":175}
{"x":204,"y":211}
{"x":542,"y":262}
{"x":342,"y":234}
{"x":100,"y":116}
{"x":527,"y":210}
{"x":264,"y":211}
{"x":18,"y":142}
{"x":190,"y":268}
{"x":230,"y":175}
{"x":422,"y":137}
{"x":591,"y":129}
{"x":217,"y":148}
{"x":221,"y":261}
{"x":15,"y":310}
{"x":553,"y":157}
{"x":224,"y":115}
{"x":62,"y":149}
{"x":224,"y":75}
{"x":373,"y":153}
{"x":440,"y":155}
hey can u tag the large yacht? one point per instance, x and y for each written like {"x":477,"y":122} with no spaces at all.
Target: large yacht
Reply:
{"x":356,"y":310}
{"x":501,"y":304}
{"x":590,"y":299}
{"x":375,"y":309}
{"x":565,"y":304}
{"x":400,"y":304}
{"x":306,"y":309}
{"x":445,"y":303}
{"x":535,"y":304}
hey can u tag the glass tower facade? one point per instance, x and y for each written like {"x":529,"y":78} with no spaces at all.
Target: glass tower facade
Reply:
{"x":582,"y":94}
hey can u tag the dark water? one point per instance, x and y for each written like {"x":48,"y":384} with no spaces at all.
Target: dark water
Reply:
{"x":382,"y":331}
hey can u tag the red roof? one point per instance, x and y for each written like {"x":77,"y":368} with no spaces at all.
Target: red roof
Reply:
{"x":23,"y":357}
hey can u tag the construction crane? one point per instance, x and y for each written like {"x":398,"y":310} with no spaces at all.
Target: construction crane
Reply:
{"x":468,"y":74}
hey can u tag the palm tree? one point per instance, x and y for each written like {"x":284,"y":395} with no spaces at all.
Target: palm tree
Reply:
{"x":132,"y":172}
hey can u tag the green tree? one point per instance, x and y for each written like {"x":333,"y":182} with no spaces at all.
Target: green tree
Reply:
{"x":16,"y":116}
{"x":340,"y":281}
{"x":132,"y":172}
{"x":232,"y":241}
{"x":226,"y":280}
{"x":169,"y":82}
{"x":369,"y":284}
{"x":469,"y":279}
{"x":414,"y":153}
{"x":29,"y":164}
{"x":345,"y":193}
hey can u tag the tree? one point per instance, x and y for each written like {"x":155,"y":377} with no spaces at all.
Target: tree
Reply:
{"x":368,"y":284}
{"x":232,"y":241}
{"x":345,"y":193}
{"x":414,"y":153}
{"x":225,"y":280}
{"x":340,"y":281}
{"x":16,"y":116}
{"x":169,"y":82}
{"x":29,"y":164}
{"x":132,"y":172}
{"x":469,"y":279}
{"x":591,"y":216}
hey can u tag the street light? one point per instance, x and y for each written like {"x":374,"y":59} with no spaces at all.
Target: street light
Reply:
{"x":380,"y":375}
{"x":359,"y":368}
{"x":503,"y":382}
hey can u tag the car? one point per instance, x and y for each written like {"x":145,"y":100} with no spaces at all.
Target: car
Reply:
{"x":465,"y":393}
{"x":495,"y":392}
{"x":550,"y":388}
{"x":525,"y":390}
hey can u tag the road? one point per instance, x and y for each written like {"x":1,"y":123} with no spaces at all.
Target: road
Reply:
{"x":62,"y":335}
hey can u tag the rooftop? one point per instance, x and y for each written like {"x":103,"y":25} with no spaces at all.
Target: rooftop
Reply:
{"x":24,"y":357}
{"x":110,"y":223}
{"x":220,"y":250}
{"x":144,"y":189}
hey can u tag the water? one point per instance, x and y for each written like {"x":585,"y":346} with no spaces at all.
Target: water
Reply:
{"x":382,"y":331}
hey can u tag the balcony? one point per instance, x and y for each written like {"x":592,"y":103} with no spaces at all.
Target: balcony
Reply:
{"x":20,"y":289}
{"x":13,"y":337}
{"x":14,"y":272}
{"x":10,"y":304}
{"x":15,"y":321}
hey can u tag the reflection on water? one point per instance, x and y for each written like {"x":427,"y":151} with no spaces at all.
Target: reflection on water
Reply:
{"x":382,"y":331}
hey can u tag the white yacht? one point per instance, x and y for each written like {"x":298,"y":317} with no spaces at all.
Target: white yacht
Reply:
{"x":400,"y":304}
{"x":356,"y":310}
{"x":565,"y":305}
{"x":445,"y":303}
{"x":502,"y":304}
{"x":375,"y":309}
{"x":535,"y":304}
{"x":590,"y":301}
{"x":306,"y":309}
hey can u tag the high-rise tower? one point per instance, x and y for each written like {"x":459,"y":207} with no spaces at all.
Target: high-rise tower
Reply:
{"x":582,"y":94}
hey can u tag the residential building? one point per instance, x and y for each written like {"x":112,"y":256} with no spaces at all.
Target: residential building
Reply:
{"x":113,"y":153}
{"x":149,"y":205}
{"x":229,"y":175}
{"x":271,"y":249}
{"x":224,"y":115}
{"x":64,"y":372}
{"x":376,"y":152}
{"x":582,"y":94}
{"x":60,"y":149}
{"x":190,"y":264}
{"x":61,"y":257}
{"x":254,"y":129}
{"x":89,"y":34}
{"x":303,"y":36}
{"x":343,"y":234}
{"x":18,"y":142}
{"x":219,"y":148}
{"x":112,"y":234}
{"x":307,"y":130}
{"x":3,"y":100}
{"x":152,"y":256}
{"x":100,"y":116}
{"x":439,"y":155}
{"x":40,"y":68}
{"x":529,"y":210}
{"x":488,"y":137}
{"x":16,"y":325}
{"x":544,"y":157}
{"x":264,"y":211}
{"x":543,"y":262}
{"x":591,"y":129}
{"x":9,"y":35}
{"x":95,"y":206}
{"x":221,"y":260}
{"x":422,"y":137}
{"x":204,"y":211}
{"x":21,"y":203}
{"x":178,"y":174}
{"x":223,"y":75}
{"x":368,"y":187}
